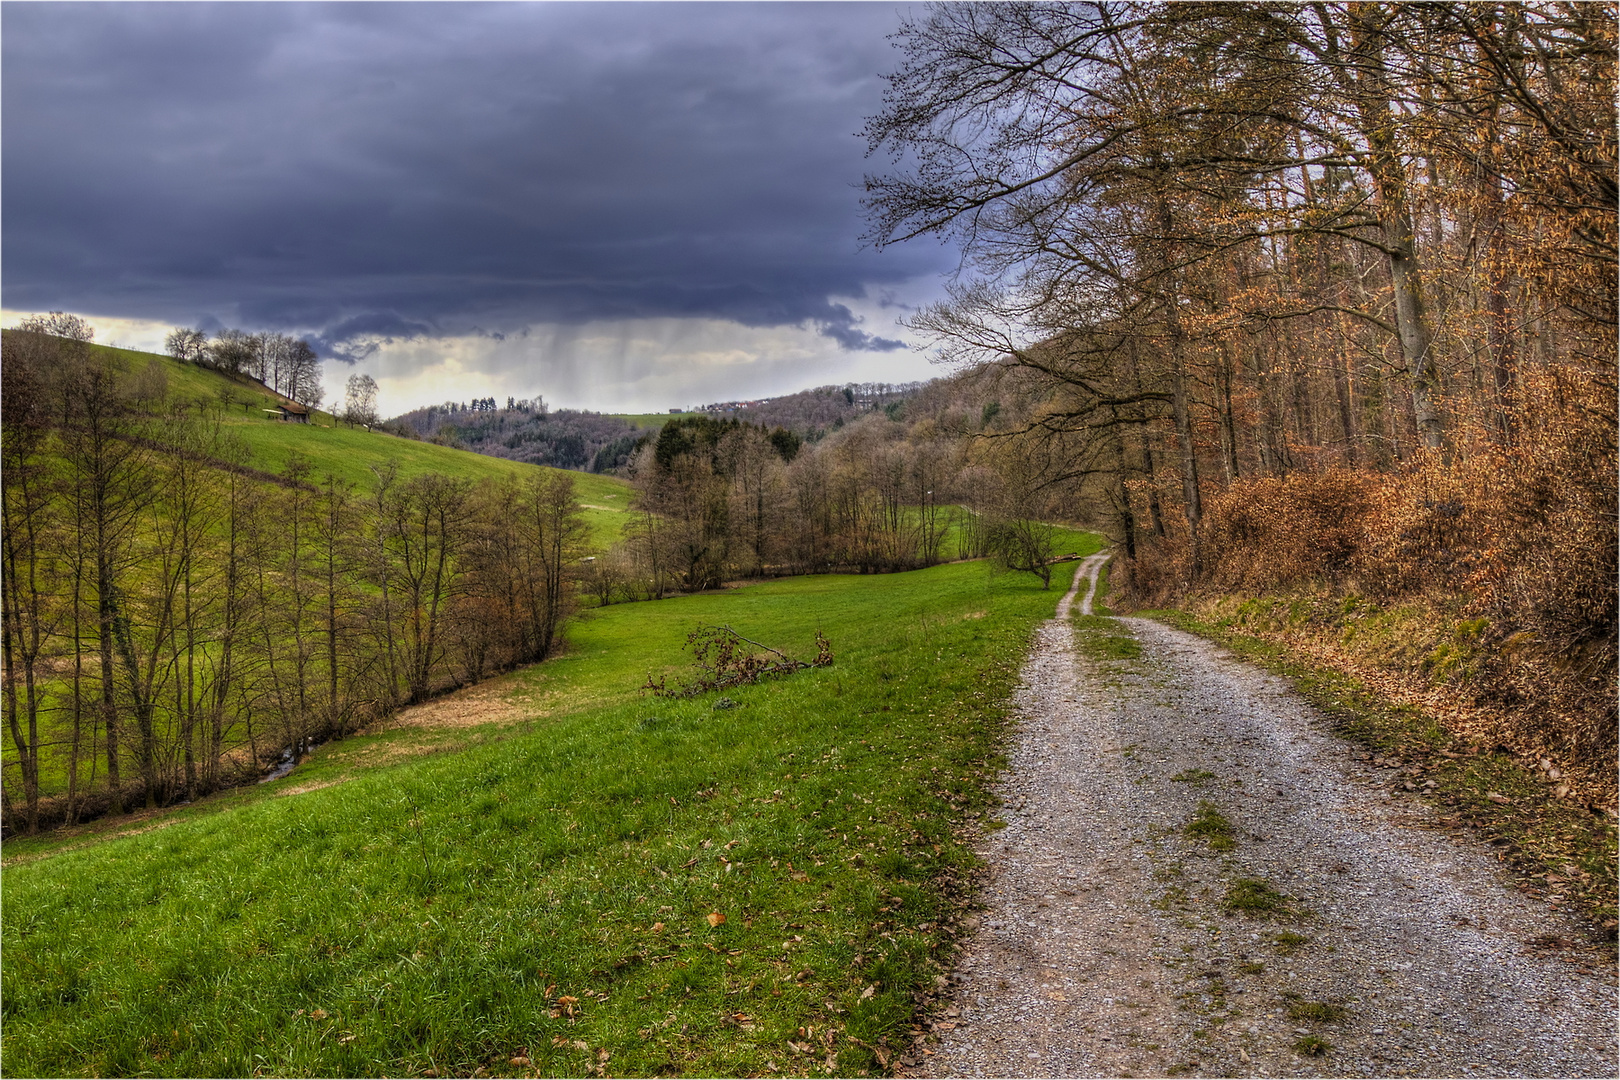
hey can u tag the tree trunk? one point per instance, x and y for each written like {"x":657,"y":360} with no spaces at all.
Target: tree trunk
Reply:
{"x":1395,"y":217}
{"x":1228,"y":425}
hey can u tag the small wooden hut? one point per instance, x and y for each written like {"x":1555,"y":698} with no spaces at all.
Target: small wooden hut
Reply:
{"x":289,"y":412}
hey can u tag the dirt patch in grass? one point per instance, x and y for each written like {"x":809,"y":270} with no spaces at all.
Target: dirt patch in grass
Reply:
{"x":378,"y":754}
{"x":486,"y":703}
{"x":313,"y":785}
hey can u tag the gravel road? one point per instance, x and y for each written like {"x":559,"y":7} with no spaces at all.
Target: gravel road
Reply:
{"x":1107,"y":948}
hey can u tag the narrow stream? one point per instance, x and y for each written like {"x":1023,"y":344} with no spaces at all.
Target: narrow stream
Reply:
{"x":289,"y":760}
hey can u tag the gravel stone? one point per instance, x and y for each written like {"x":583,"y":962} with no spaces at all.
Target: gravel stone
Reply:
{"x":1106,"y":948}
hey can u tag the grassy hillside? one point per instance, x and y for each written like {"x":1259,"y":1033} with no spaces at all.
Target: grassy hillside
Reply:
{"x":619,"y":885}
{"x":352,"y":453}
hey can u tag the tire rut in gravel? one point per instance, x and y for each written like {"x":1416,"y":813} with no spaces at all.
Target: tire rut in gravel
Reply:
{"x":1108,"y":945}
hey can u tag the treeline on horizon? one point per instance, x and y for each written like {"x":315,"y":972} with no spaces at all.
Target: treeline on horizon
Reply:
{"x":174,"y":618}
{"x":1306,"y":295}
{"x":527,"y":430}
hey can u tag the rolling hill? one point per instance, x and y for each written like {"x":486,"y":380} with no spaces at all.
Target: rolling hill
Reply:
{"x":351,"y":453}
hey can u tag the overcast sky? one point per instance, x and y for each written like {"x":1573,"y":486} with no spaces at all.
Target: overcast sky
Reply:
{"x":618,"y":206}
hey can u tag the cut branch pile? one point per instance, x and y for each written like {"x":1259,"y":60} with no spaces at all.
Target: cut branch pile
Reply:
{"x":724,"y":659}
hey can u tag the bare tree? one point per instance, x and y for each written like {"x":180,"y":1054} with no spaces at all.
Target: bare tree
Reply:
{"x":1018,"y":532}
{"x":424,"y":528}
{"x":59,"y":324}
{"x":232,"y":352}
{"x":190,"y":346}
{"x":360,"y":401}
{"x":337,"y":529}
{"x":303,"y":382}
{"x":30,"y":572}
{"x":106,"y":466}
{"x":553,"y":530}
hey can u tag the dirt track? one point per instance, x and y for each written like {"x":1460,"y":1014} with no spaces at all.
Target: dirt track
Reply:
{"x":1107,"y":947}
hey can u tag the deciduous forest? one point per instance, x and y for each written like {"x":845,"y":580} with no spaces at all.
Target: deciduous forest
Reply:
{"x":1313,"y":295}
{"x":173,"y":615}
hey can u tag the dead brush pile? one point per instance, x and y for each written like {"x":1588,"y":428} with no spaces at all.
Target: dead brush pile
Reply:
{"x":1493,"y":575}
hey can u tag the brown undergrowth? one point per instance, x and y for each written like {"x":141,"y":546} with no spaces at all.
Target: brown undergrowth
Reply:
{"x":1422,"y":656}
{"x":1481,"y":580}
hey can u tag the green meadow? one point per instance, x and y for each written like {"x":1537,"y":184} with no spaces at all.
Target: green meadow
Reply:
{"x":352,"y":454}
{"x":610,"y":883}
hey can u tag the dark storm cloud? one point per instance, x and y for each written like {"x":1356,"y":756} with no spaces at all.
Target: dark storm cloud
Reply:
{"x":371,"y":171}
{"x":841,"y":328}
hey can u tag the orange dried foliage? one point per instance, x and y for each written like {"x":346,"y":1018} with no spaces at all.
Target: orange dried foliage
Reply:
{"x":1285,"y":530}
{"x":1523,"y":538}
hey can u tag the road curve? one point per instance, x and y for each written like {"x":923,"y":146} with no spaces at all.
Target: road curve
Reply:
{"x":1084,"y":577}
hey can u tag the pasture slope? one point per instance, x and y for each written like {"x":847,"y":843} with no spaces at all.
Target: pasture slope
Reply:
{"x":331,"y":447}
{"x":595,"y":881}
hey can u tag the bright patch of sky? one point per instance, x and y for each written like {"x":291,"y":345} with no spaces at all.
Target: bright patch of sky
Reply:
{"x":625,"y":365}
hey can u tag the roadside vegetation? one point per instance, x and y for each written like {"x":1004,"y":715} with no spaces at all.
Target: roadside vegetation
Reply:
{"x":622,"y":884}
